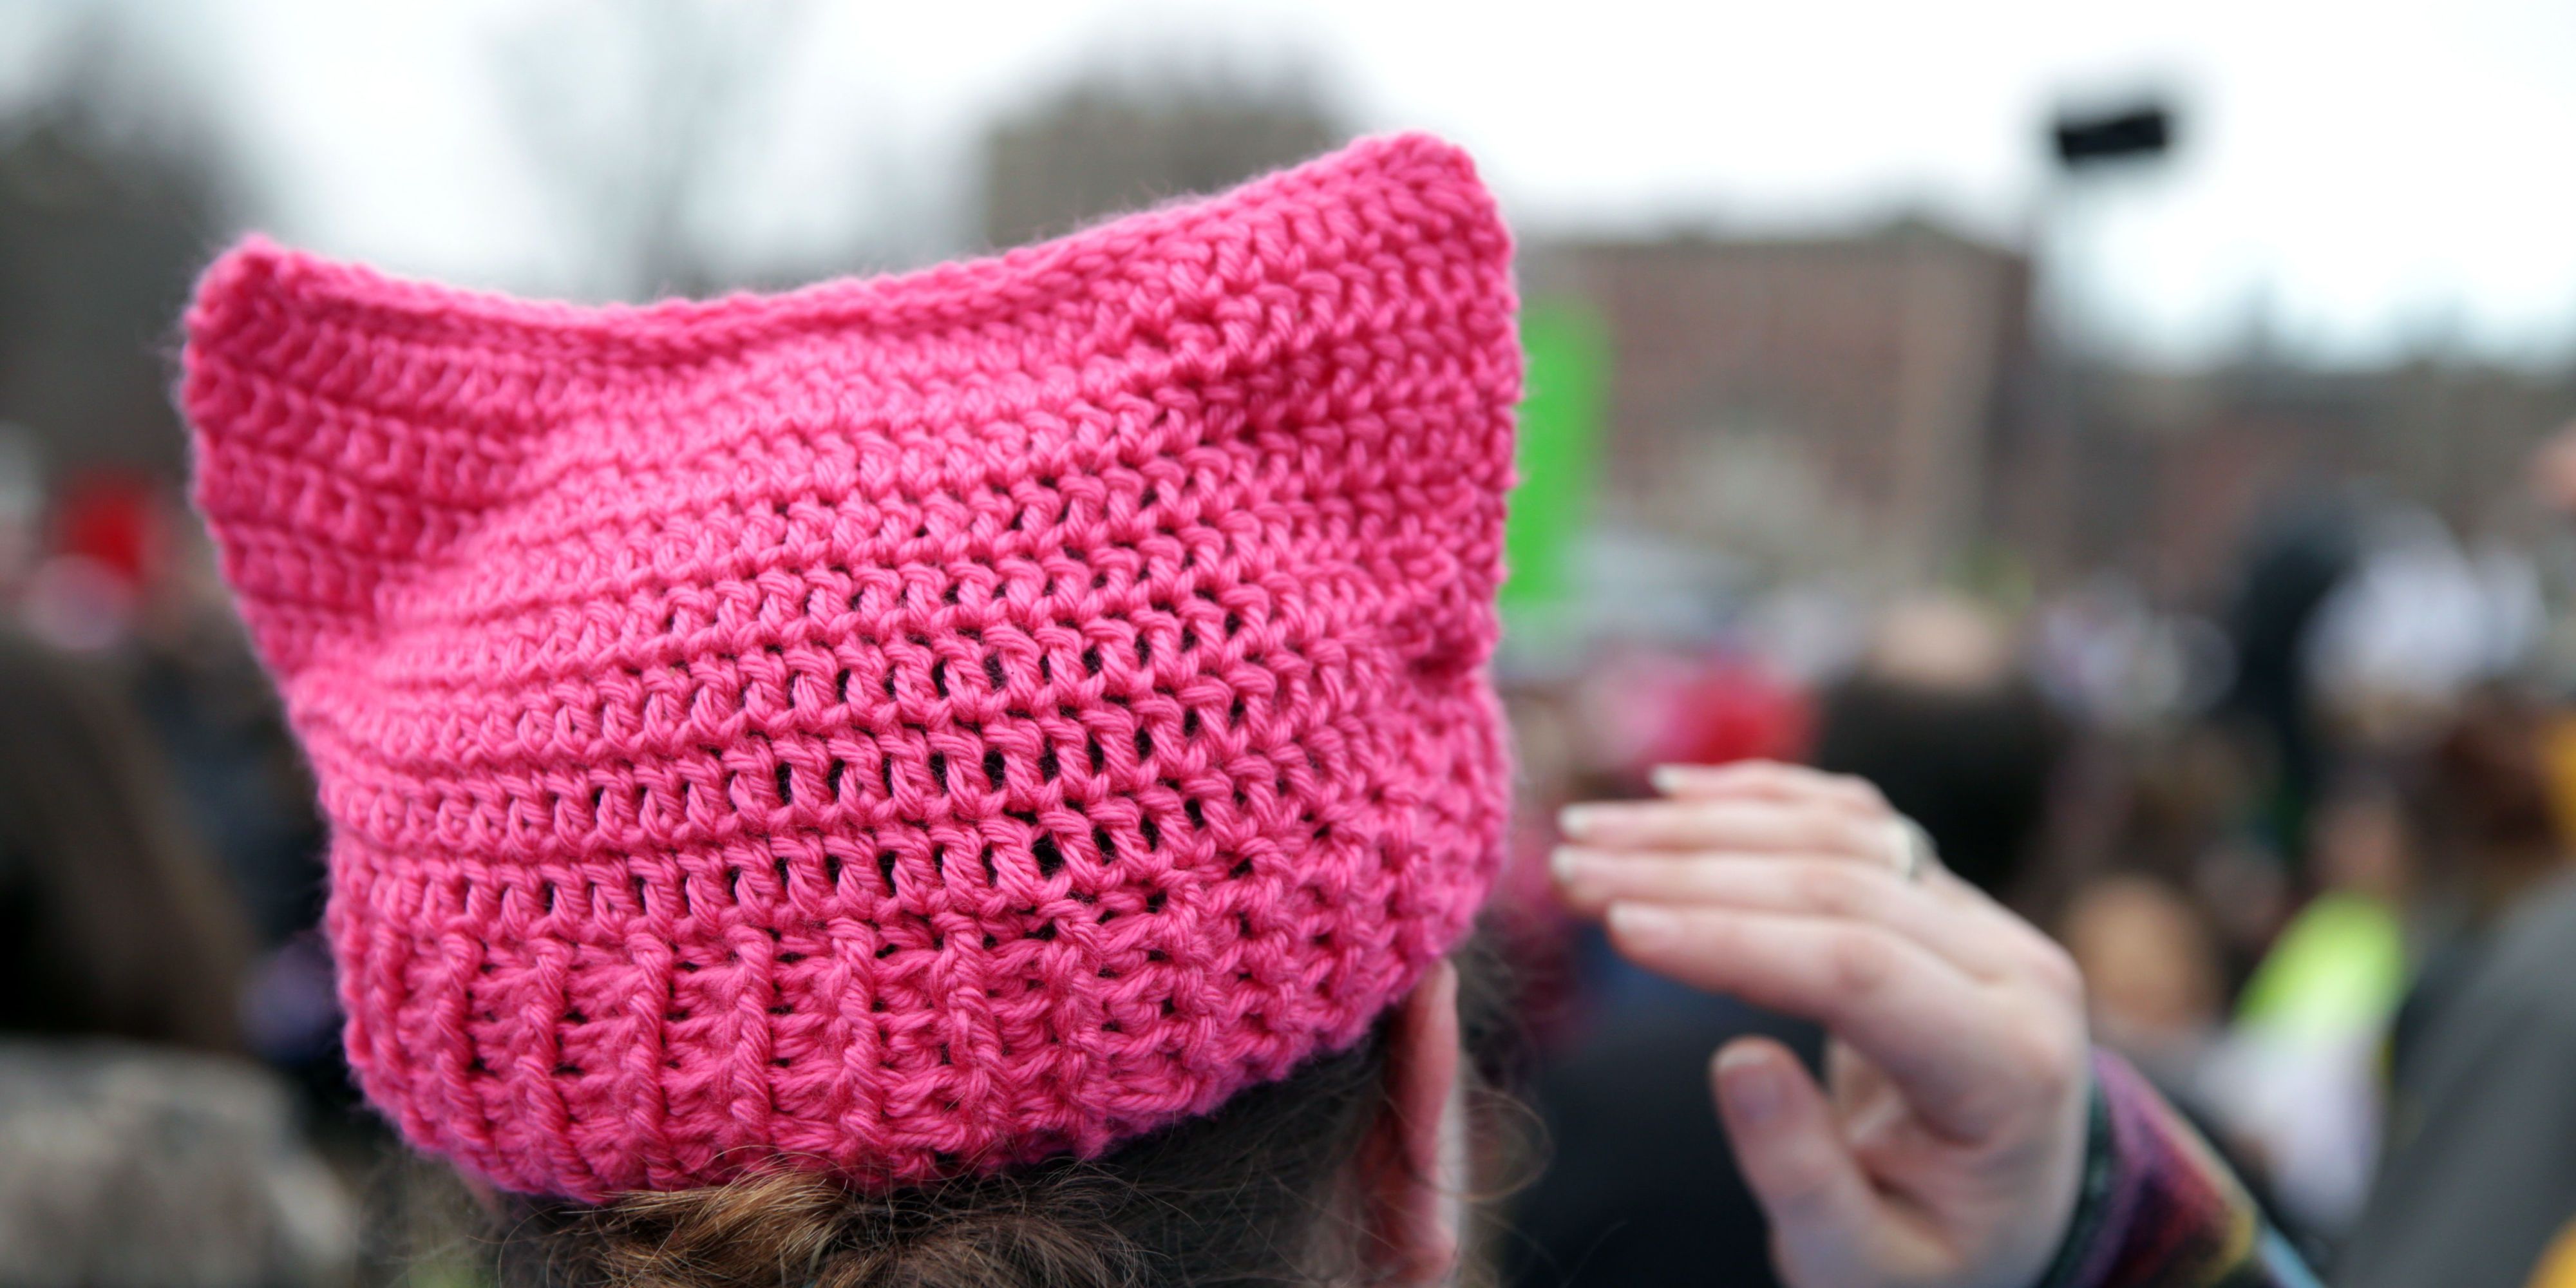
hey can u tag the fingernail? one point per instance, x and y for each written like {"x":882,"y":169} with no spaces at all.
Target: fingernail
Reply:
{"x":1748,"y":1079}
{"x":1575,"y":820}
{"x":1566,"y":862}
{"x":1641,"y":925}
{"x":1668,"y":779}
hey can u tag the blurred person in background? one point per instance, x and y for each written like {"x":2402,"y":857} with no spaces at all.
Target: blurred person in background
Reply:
{"x":2300,"y":552}
{"x":135,"y":1145}
{"x":113,"y":923}
{"x":2151,"y":973}
{"x":2478,"y":1172}
{"x":2297,"y":1079}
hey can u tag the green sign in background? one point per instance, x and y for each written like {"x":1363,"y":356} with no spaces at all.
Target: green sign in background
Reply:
{"x":1567,"y":353}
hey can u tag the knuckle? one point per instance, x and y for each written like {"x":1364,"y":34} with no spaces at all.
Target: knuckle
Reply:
{"x":1802,"y":1186}
{"x":2056,"y":972}
{"x":1863,"y":793}
{"x":2049,"y":1060}
{"x":1834,"y":889}
{"x":1843,"y":833}
{"x":1862,"y":964}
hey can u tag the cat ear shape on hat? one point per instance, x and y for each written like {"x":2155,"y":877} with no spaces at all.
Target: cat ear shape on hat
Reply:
{"x":353,"y":432}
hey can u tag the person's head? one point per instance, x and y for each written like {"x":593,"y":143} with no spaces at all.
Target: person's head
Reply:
{"x":1939,"y":720}
{"x":2152,"y":973}
{"x":2480,"y":799}
{"x":971,"y":778}
{"x":112,"y":922}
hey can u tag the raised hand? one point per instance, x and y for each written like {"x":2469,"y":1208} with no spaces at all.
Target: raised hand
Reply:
{"x":1947,"y":1149}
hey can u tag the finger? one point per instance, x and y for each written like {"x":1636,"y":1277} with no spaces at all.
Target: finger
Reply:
{"x":1823,"y":1212}
{"x":1752,"y":826}
{"x":1945,"y":1039}
{"x":1769,"y":779}
{"x":2043,"y":959}
{"x":1814,"y":886}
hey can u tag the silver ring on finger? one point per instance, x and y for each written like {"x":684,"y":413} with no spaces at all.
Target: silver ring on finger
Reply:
{"x":1914,"y":853}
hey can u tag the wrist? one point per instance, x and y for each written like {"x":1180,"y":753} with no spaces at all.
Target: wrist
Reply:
{"x":2095,"y":1192}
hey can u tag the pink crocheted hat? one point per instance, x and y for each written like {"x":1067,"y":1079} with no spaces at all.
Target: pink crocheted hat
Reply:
{"x":902,"y":727}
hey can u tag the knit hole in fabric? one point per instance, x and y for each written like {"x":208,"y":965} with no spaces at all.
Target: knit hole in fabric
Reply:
{"x":1144,"y":743}
{"x":993,"y":674}
{"x":841,"y":686}
{"x":1091,"y":745}
{"x":1154,"y":902}
{"x":1047,"y":766}
{"x":1190,"y":723}
{"x":832,"y":773}
{"x":939,"y":677}
{"x":786,"y":786}
{"x":994,"y":768}
{"x":1100,"y":841}
{"x":1197,"y":813}
{"x":939,"y":770}
{"x":885,"y":869}
{"x":1091,"y":660}
{"x":1151,"y":831}
{"x":1050,"y":859}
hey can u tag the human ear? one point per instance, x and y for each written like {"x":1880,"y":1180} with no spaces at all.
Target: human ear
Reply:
{"x":1405,"y":1170}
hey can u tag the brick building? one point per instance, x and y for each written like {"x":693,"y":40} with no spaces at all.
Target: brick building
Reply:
{"x":1812,"y":404}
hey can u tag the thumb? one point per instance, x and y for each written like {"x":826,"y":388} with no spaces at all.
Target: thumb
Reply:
{"x":1823,"y":1212}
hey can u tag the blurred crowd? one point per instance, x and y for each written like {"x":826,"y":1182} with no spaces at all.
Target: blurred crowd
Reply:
{"x":2308,"y":840}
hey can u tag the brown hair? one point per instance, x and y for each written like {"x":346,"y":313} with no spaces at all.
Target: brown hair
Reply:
{"x":112,"y":921}
{"x":1252,"y":1195}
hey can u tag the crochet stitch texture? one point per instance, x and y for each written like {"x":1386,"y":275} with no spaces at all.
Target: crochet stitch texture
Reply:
{"x":902,"y":727}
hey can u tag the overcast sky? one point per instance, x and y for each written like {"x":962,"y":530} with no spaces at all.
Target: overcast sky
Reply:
{"x":2366,"y":176}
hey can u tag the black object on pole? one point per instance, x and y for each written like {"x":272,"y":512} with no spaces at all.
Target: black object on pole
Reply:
{"x":2131,"y":133}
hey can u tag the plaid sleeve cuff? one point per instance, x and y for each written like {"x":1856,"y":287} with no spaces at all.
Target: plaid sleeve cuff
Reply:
{"x":2158,"y":1209}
